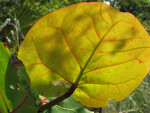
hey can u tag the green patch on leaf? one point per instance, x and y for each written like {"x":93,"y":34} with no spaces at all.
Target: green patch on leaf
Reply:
{"x":69,"y":105}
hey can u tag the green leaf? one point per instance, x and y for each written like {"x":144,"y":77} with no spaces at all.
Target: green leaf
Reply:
{"x":11,"y":96}
{"x":27,"y":106}
{"x":23,"y":77}
{"x":68,"y":106}
{"x":105,"y":52}
{"x":8,"y":79}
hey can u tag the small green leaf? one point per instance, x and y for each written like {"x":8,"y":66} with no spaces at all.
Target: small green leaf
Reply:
{"x":69,"y":105}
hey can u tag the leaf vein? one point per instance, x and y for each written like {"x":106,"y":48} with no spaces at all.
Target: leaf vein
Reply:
{"x":47,"y":65}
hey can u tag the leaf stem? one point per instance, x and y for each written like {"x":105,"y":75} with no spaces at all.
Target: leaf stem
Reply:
{"x":58,"y":99}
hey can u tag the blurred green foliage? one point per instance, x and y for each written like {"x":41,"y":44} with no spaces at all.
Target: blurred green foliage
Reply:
{"x":139,"y":8}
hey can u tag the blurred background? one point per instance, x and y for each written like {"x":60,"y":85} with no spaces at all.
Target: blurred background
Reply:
{"x":17,"y":17}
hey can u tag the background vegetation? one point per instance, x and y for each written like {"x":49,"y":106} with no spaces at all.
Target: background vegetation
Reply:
{"x":17,"y":17}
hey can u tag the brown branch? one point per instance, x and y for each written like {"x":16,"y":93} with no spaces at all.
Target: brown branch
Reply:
{"x":58,"y":99}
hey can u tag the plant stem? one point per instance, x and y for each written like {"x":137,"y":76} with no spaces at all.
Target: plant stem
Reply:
{"x":58,"y":99}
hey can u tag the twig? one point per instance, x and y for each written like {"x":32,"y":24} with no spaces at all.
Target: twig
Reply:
{"x":7,"y":22}
{"x":58,"y":99}
{"x":5,"y":26}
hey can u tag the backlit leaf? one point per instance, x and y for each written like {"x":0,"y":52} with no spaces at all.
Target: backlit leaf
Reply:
{"x":104,"y":51}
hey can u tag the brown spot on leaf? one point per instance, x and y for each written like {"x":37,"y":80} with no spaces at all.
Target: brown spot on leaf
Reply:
{"x":132,"y":28}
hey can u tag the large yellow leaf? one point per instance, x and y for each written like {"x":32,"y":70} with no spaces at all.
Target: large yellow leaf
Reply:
{"x":104,"y":51}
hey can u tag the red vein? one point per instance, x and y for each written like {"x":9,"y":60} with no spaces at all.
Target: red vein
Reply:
{"x":108,"y":52}
{"x":116,"y":84}
{"x":54,"y":27}
{"x":94,"y":26}
{"x":109,"y":31}
{"x":47,"y":65}
{"x":118,"y":40}
{"x":89,"y":40}
{"x":71,"y":49}
{"x":100,"y":43}
{"x":136,"y":58}
{"x":65,"y":18}
{"x":56,"y":83}
{"x":69,"y":45}
{"x":93,"y":21}
{"x":50,"y":85}
{"x":1,"y":110}
{"x":93,"y":52}
{"x":33,"y":64}
{"x":108,"y":66}
{"x":119,"y":51}
{"x":4,"y":101}
{"x":108,"y":83}
{"x":36,"y":49}
{"x":56,"y":72}
{"x":48,"y":68}
{"x":24,"y":100}
{"x":118,"y":90}
{"x":102,"y":15}
{"x":90,"y":95}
